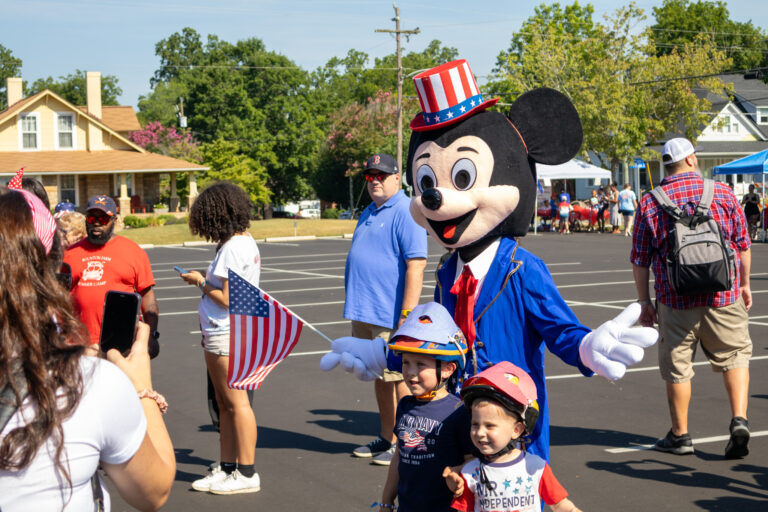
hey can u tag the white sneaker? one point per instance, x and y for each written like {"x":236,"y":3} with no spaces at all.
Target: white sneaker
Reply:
{"x":236,"y":483}
{"x":215,"y":474}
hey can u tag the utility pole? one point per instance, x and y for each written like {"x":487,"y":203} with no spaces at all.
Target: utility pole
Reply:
{"x":397,"y":33}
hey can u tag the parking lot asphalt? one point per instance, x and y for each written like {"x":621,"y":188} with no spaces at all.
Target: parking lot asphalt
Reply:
{"x":310,"y":421}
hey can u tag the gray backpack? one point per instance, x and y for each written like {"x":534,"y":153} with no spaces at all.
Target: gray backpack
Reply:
{"x":700,"y":261}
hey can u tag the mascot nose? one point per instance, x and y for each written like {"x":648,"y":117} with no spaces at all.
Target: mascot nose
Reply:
{"x":432,"y":198}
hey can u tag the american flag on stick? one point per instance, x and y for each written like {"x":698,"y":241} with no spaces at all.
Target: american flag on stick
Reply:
{"x":262,"y":332}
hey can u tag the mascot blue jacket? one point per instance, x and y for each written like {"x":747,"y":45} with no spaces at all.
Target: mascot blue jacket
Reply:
{"x":473,"y":173}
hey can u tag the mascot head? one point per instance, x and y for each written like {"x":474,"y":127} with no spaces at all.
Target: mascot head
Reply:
{"x":473,"y":172}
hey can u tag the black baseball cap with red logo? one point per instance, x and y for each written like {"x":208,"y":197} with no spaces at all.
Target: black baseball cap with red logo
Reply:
{"x":383,"y":163}
{"x":103,"y":203}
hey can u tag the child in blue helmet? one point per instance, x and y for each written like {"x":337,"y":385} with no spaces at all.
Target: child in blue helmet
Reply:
{"x":431,"y":426}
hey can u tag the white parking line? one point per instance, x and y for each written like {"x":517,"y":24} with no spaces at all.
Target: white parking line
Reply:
{"x":703,"y":440}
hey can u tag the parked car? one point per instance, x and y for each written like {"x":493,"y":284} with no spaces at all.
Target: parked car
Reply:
{"x":309,"y":213}
{"x":284,"y":215}
{"x":346,"y":214}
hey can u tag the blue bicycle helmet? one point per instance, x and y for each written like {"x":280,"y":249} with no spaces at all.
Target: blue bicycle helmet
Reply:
{"x":430,"y":330}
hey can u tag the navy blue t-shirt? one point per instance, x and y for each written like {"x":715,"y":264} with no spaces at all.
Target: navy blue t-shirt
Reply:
{"x":430,"y":436}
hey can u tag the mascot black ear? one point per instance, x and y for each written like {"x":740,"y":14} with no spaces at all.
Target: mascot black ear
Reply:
{"x":548,"y":124}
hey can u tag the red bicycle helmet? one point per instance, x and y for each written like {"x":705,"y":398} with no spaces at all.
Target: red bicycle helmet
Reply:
{"x":508,"y":385}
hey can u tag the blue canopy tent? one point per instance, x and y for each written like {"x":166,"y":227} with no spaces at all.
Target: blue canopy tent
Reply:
{"x":752,"y":164}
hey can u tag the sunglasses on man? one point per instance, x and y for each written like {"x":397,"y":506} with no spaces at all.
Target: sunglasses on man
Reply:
{"x":97,"y":219}
{"x":381,"y":176}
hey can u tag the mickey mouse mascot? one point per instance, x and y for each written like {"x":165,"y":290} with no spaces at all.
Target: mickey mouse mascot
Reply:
{"x":474,"y":179}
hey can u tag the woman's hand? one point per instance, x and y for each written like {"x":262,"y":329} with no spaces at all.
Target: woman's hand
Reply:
{"x":136,"y":365}
{"x":193,"y":277}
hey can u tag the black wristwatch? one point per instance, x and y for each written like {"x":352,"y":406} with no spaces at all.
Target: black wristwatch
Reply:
{"x":156,"y":334}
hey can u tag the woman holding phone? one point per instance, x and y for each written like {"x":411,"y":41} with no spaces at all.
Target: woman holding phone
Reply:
{"x":222,"y":214}
{"x":62,"y":413}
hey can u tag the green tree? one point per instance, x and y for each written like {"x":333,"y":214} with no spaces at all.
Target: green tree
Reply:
{"x":681,"y":21}
{"x":162,"y":103}
{"x":10,"y":67}
{"x":72,"y":88}
{"x":240,"y":92}
{"x":226,"y":162}
{"x":620,"y":87}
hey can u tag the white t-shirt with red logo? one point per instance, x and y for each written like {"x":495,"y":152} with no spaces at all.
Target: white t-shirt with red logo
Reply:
{"x":519,"y":485}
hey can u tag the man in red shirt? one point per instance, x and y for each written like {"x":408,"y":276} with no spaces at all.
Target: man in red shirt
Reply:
{"x":718,"y":321}
{"x":104,"y":261}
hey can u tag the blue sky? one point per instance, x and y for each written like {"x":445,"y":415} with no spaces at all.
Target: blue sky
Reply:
{"x":117,"y":37}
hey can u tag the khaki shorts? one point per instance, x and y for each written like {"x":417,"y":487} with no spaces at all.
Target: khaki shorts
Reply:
{"x":723,"y":333}
{"x":370,"y":332}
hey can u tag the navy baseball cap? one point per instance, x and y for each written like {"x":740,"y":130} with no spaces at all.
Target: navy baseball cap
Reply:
{"x":103,"y":203}
{"x":381,"y":162}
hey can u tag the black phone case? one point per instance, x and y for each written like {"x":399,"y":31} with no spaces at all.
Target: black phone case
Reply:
{"x":118,"y":323}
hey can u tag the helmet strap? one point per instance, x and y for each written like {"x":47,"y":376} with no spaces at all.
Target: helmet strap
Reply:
{"x":440,"y":383}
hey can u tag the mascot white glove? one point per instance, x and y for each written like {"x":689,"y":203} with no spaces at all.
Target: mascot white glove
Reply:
{"x":367,"y":359}
{"x":610,"y":348}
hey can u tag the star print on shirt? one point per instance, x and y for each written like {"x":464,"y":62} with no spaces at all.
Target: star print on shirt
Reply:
{"x":507,"y":483}
{"x":519,"y":480}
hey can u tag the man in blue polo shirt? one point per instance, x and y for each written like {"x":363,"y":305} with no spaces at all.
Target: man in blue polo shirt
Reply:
{"x":383,"y":279}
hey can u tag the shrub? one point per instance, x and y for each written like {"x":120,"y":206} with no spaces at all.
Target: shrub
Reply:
{"x":133,"y":221}
{"x":330,"y":213}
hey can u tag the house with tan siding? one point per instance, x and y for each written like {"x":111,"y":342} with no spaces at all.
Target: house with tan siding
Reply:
{"x":78,"y":152}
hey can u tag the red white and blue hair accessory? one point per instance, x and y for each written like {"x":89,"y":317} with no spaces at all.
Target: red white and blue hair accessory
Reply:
{"x":447,"y":93}
{"x":42,"y":220}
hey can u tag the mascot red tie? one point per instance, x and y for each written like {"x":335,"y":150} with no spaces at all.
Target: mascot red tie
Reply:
{"x":464,"y":288}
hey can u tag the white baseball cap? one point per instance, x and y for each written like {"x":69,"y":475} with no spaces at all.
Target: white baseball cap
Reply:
{"x":676,"y":149}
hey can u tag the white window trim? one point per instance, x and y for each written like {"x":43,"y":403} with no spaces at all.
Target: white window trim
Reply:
{"x":77,"y":192}
{"x":757,"y":115}
{"x":36,"y":115}
{"x":56,"y":131}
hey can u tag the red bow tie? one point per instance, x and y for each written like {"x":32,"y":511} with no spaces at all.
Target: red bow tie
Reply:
{"x":464,"y":288}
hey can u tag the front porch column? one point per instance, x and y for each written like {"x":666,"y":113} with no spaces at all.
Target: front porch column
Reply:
{"x":174,"y":202}
{"x":192,"y":190}
{"x":124,"y":200}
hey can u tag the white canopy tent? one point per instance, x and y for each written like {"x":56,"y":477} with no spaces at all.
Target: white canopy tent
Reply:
{"x":572,"y":169}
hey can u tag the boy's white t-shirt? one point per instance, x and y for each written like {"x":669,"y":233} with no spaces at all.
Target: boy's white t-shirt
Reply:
{"x":108,"y":425}
{"x":240,"y":254}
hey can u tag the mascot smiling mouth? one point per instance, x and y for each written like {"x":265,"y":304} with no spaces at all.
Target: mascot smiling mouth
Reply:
{"x":451,"y":230}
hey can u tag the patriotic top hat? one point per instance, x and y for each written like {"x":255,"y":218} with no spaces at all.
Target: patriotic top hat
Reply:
{"x":447,"y":93}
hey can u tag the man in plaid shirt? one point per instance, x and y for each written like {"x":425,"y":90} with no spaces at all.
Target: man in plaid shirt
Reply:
{"x":718,"y":320}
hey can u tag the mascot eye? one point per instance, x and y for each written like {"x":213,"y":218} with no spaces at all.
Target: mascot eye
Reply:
{"x":425,"y":178}
{"x":463,"y":174}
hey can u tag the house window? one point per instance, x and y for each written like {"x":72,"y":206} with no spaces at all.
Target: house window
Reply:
{"x":65,"y":131}
{"x":762,"y":115}
{"x":28,"y":131}
{"x":67,"y":190}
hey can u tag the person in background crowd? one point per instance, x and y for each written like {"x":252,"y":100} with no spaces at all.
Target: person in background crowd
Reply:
{"x":627,"y":207}
{"x":222,"y":214}
{"x":602,"y":201}
{"x":751,"y":204}
{"x":383,"y":280}
{"x":594,"y":206}
{"x":613,"y":204}
{"x":62,"y":413}
{"x":565,"y":209}
{"x":71,"y":228}
{"x":104,"y":261}
{"x":718,"y":321}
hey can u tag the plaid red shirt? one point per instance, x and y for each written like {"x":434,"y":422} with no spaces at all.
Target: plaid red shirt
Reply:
{"x":650,"y":244}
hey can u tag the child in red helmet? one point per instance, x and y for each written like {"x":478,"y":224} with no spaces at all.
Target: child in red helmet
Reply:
{"x":504,"y":477}
{"x":431,"y":426}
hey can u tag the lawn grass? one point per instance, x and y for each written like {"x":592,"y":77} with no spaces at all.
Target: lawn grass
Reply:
{"x":260,"y":229}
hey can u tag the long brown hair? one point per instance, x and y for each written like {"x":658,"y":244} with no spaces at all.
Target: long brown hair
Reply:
{"x":41,"y":340}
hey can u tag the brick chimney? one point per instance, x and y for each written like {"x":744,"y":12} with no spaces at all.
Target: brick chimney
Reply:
{"x":13,"y":89}
{"x":93,"y":92}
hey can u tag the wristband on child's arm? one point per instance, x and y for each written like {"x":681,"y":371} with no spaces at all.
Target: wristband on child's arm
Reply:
{"x":385,"y":505}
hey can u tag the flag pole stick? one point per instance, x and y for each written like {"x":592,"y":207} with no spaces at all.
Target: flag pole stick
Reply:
{"x":326,"y":338}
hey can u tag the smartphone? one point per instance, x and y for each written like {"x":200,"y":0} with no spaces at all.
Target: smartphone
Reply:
{"x":118,"y":325}
{"x":64,"y":276}
{"x":180,"y":270}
